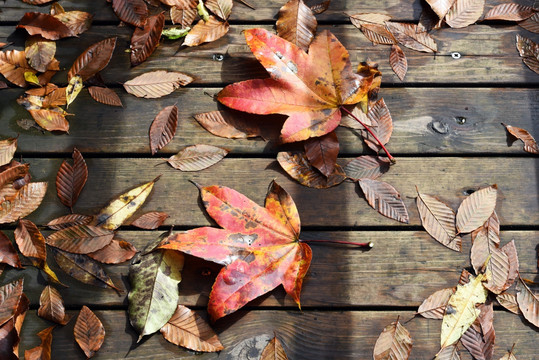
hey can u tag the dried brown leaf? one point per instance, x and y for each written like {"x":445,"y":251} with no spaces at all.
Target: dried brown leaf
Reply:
{"x":13,"y":65}
{"x":185,"y":328}
{"x":71,"y":179}
{"x":80,"y":239}
{"x":448,"y":353}
{"x":151,"y":220}
{"x":377,"y":34}
{"x":320,"y":8}
{"x":322,"y":152}
{"x":531,"y":24}
{"x":298,"y":167}
{"x":382,"y":125}
{"x":482,"y":248}
{"x":208,"y":31}
{"x":529,"y":51}
{"x":89,"y":332}
{"x":480,"y":341}
{"x":197,"y":157}
{"x":69,"y":220}
{"x":528,"y":302}
{"x":30,"y":241}
{"x":530,"y":145}
{"x":156,"y":84}
{"x":385,"y":199}
{"x":8,"y":254}
{"x":510,"y":12}
{"x":10,"y":295}
{"x":476,"y":209}
{"x":491,"y":228}
{"x":509,"y":355}
{"x":366,"y":166}
{"x":42,"y":351}
{"x":116,"y":252}
{"x":395,"y":342}
{"x":511,"y":251}
{"x":144,"y":41}
{"x":398,"y":62}
{"x":464,"y":13}
{"x":360,"y":19}
{"x":183,"y":17}
{"x":410,"y":36}
{"x":134,"y":12}
{"x":12,"y":172}
{"x":93,"y":59}
{"x":221,"y":8}
{"x":105,"y":96}
{"x":232,"y":124}
{"x":509,"y":301}
{"x":181,"y":4}
{"x":297,"y":24}
{"x":77,"y":21}
{"x":51,"y":306}
{"x":39,"y":52}
{"x":441,"y":7}
{"x":7,"y":150}
{"x":45,"y":25}
{"x":50,"y":120}
{"x":273,"y":351}
{"x":433,"y":307}
{"x":163,"y":128}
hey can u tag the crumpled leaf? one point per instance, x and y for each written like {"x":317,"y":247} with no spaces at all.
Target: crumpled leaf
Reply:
{"x":105,"y":96}
{"x":46,"y":25}
{"x":433,"y":307}
{"x":134,"y":12}
{"x":154,"y":295}
{"x":395,"y":342}
{"x":366,"y":166}
{"x":295,"y":87}
{"x":528,"y":302}
{"x":298,"y":167}
{"x":385,"y":199}
{"x":398,"y":62}
{"x":69,"y":220}
{"x":274,"y":351}
{"x":321,"y":7}
{"x":197,"y":157}
{"x":39,"y":52}
{"x":89,"y":332}
{"x":185,"y":328}
{"x":510,"y":12}
{"x":42,"y":351}
{"x":71,"y":179}
{"x":7,"y":150}
{"x":145,"y":41}
{"x":530,"y":145}
{"x":296,"y":23}
{"x":476,"y":209}
{"x":258,"y":255}
{"x":30,"y":241}
{"x":80,"y":239}
{"x":163,"y":128}
{"x":94,"y":59}
{"x":464,"y":13}
{"x":322,"y":152}
{"x":51,"y":306}
{"x":8,"y":254}
{"x":206,"y":31}
{"x":155,"y":84}
{"x":410,"y":36}
{"x":151,"y":220}
{"x":10,"y":295}
{"x":12,"y":171}
{"x":116,"y":252}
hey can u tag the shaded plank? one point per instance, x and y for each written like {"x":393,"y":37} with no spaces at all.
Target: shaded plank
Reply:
{"x":426,"y":121}
{"x":305,"y":335}
{"x":402,"y":269}
{"x":484,"y":51}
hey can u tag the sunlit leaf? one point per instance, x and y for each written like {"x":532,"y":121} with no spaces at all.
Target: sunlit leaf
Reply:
{"x":39,"y":52}
{"x":395,"y":342}
{"x":398,"y":62}
{"x":530,"y":145}
{"x":71,"y":179}
{"x":464,"y":13}
{"x":441,"y":7}
{"x":510,"y":12}
{"x":509,"y":301}
{"x":51,"y":306}
{"x":89,"y":332}
{"x":273,"y":351}
{"x":105,"y":96}
{"x":206,"y":31}
{"x":151,"y":220}
{"x":77,"y":21}
{"x":531,"y":24}
{"x":433,"y":307}
{"x":156,"y":84}
{"x":232,"y":124}
{"x":134,"y":12}
{"x":221,"y":8}
{"x":197,"y":157}
{"x":366,"y":166}
{"x":528,"y":302}
{"x":448,"y":353}
{"x":7,"y":150}
{"x":69,"y":220}
{"x":385,"y":199}
{"x":116,"y":252}
{"x":42,"y":351}
{"x":80,"y":239}
{"x":297,"y":24}
{"x":163,"y":128}
{"x":476,"y":209}
{"x":175,"y":33}
{"x":322,"y":152}
{"x":46,"y":25}
{"x":382,"y":121}
{"x":73,"y":88}
{"x":409,"y":36}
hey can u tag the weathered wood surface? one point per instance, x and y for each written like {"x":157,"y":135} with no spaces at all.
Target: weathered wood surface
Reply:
{"x":345,"y":335}
{"x":450,"y":178}
{"x":426,"y":121}
{"x":402,"y":269}
{"x":488,"y":56}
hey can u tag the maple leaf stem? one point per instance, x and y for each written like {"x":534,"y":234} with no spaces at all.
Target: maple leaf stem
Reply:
{"x":369,"y":244}
{"x":391,"y":158}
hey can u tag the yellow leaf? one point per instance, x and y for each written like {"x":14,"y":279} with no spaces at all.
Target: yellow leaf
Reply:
{"x":73,"y":89}
{"x":31,"y":78}
{"x":461,"y":310}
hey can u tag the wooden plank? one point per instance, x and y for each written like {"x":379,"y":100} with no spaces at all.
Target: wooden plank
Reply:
{"x":426,"y":121}
{"x":450,"y":178}
{"x":402,"y":269}
{"x":484,"y":51}
{"x":305,"y":335}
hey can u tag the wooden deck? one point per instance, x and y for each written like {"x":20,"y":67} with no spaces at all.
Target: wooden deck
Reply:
{"x":349,"y":295}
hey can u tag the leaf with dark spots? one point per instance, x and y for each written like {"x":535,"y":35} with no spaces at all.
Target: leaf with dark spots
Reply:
{"x":71,"y":179}
{"x":144,"y":41}
{"x":322,"y":152}
{"x":298,"y":167}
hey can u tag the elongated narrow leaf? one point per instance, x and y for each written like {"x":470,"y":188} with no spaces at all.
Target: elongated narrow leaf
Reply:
{"x":8,"y":254}
{"x":510,"y":12}
{"x":163,"y":128}
{"x":366,"y":166}
{"x":153,"y":298}
{"x":274,"y":351}
{"x":30,"y":240}
{"x":206,"y":31}
{"x":69,"y":220}
{"x":10,"y":295}
{"x":134,"y":12}
{"x":156,"y":84}
{"x":89,"y":332}
{"x":80,"y":239}
{"x":297,"y":24}
{"x":221,"y":8}
{"x":398,"y":62}
{"x":77,"y":21}
{"x":105,"y":96}
{"x":46,"y":25}
{"x":39,"y":52}
{"x":185,"y":328}
{"x":94,"y":59}
{"x":120,"y":209}
{"x":528,"y":302}
{"x":116,"y":252}
{"x":509,"y":301}
{"x":530,"y":145}
{"x":322,"y":152}
{"x":409,"y":36}
{"x":464,"y":13}
{"x":197,"y":157}
{"x":395,"y":342}
{"x":476,"y":209}
{"x":433,"y":307}
{"x":42,"y":351}
{"x":71,"y":179}
{"x":441,"y":7}
{"x":144,"y":41}
{"x":51,"y":306}
{"x":382,"y":127}
{"x":50,"y":120}
{"x":385,"y":199}
{"x":151,"y":220}
{"x":448,"y":353}
{"x":298,"y":167}
{"x":7,"y":150}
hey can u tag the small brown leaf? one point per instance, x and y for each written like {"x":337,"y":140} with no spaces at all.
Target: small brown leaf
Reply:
{"x":93,"y":59}
{"x":39,"y":52}
{"x":393,"y":343}
{"x":441,"y":7}
{"x":30,"y":240}
{"x":69,"y":220}
{"x":480,"y":341}
{"x":8,"y":254}
{"x":510,"y":12}
{"x":448,"y":353}
{"x":45,"y":25}
{"x":134,"y":12}
{"x":528,"y":302}
{"x":12,"y":171}
{"x":385,"y":199}
{"x":410,"y":36}
{"x":529,"y":51}
{"x":476,"y":209}
{"x":382,"y":125}
{"x":274,"y":351}
{"x":80,"y":239}
{"x":156,"y":84}
{"x":232,"y":124}
{"x":298,"y":167}
{"x":297,"y":24}
{"x":372,"y":25}
{"x":320,"y":8}
{"x":221,"y":8}
{"x":185,"y":328}
{"x":89,"y":332}
{"x":77,"y":21}
{"x":50,"y":120}
{"x":530,"y":145}
{"x":509,"y":301}
{"x":163,"y":128}
{"x":71,"y":179}
{"x":105,"y":96}
{"x":7,"y":150}
{"x":42,"y":351}
{"x":366,"y":166}
{"x":197,"y":157}
{"x":464,"y":13}
{"x":208,"y":31}
{"x":491,"y":228}
{"x":51,"y":306}
{"x":144,"y":41}
{"x":183,"y":17}
{"x":398,"y":62}
{"x":151,"y":220}
{"x":322,"y":152}
{"x":531,"y":24}
{"x":10,"y":295}
{"x":433,"y":307}
{"x":116,"y":252}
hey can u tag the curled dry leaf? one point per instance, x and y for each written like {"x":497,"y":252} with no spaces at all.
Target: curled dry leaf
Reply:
{"x":7,"y":150}
{"x":8,"y":254}
{"x":185,"y":328}
{"x":530,"y":145}
{"x":39,"y":52}
{"x":433,"y":307}
{"x":89,"y":332}
{"x":71,"y":179}
{"x":163,"y":128}
{"x":10,"y":295}
{"x":116,"y":252}
{"x":528,"y":302}
{"x":366,"y":166}
{"x":197,"y":157}
{"x":144,"y":41}
{"x":50,"y":120}
{"x":105,"y":96}
{"x":77,"y":21}
{"x":151,"y":220}
{"x":441,"y":7}
{"x":206,"y":31}
{"x":80,"y":239}
{"x":321,"y":7}
{"x":232,"y":124}
{"x":395,"y":342}
{"x":221,"y":8}
{"x":183,"y":17}
{"x":298,"y":167}
{"x":120,"y":209}
{"x":385,"y":199}
{"x":438,"y":219}
{"x":464,"y":13}
{"x":69,"y":220}
{"x":155,"y":84}
{"x":12,"y":171}
{"x":30,"y":241}
{"x":398,"y":62}
{"x":134,"y":12}
{"x":410,"y":36}
{"x":274,"y":351}
{"x":510,"y":12}
{"x":297,"y":24}
{"x":42,"y":351}
{"x":382,"y":127}
{"x":322,"y":152}
{"x":93,"y":59}
{"x":51,"y":306}
{"x":476,"y":209}
{"x":45,"y":25}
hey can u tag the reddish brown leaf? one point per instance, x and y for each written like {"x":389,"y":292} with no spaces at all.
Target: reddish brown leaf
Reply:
{"x":80,"y":239}
{"x":45,"y":25}
{"x":491,"y":228}
{"x":151,"y":220}
{"x":7,"y":150}
{"x":208,"y":31}
{"x":531,"y":24}
{"x":398,"y":62}
{"x":51,"y":306}
{"x":366,"y":166}
{"x":13,"y":65}
{"x":42,"y":351}
{"x":385,"y":199}
{"x":30,"y":240}
{"x":509,"y":301}
{"x":105,"y":96}
{"x":10,"y":295}
{"x":18,"y":318}
{"x":134,"y":12}
{"x":185,"y":328}
{"x":12,"y":172}
{"x":144,"y":41}
{"x":320,"y":8}
{"x":93,"y":60}
{"x":529,"y":51}
{"x":183,"y":17}
{"x":480,"y":341}
{"x":464,"y":13}
{"x":69,"y":220}
{"x":77,"y":21}
{"x":511,"y":251}
{"x":89,"y":332}
{"x":510,"y":12}
{"x":181,"y":4}
{"x":39,"y":52}
{"x":8,"y":254}
{"x":382,"y":125}
{"x":433,"y":307}
{"x":197,"y":157}
{"x":322,"y":152}
{"x":50,"y":120}
{"x":410,"y":36}
{"x":163,"y":128}
{"x":530,"y":145}
{"x":71,"y":179}
{"x":395,"y":342}
{"x":116,"y":252}
{"x":27,"y":199}
{"x":297,"y":24}
{"x":441,"y":7}
{"x":221,"y":8}
{"x":298,"y":167}
{"x":528,"y":302}
{"x":232,"y":124}
{"x":476,"y":209}
{"x":156,"y":84}
{"x":372,"y":25}
{"x":273,"y":351}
